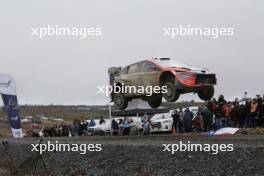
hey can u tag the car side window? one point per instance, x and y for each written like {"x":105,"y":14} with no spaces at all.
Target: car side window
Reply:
{"x":133,"y":69}
{"x":149,"y":67}
{"x":124,"y":71}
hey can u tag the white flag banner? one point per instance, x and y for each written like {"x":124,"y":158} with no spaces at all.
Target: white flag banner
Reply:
{"x":8,"y":92}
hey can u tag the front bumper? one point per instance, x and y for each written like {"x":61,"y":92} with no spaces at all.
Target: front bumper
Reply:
{"x":190,"y":81}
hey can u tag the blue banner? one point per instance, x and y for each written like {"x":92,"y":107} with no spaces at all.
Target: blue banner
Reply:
{"x":12,"y":110}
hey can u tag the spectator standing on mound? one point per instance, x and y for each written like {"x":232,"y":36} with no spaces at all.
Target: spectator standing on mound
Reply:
{"x":253,"y":111}
{"x":227,"y":108}
{"x":198,"y":121}
{"x":218,"y":117}
{"x":212,"y":105}
{"x":207,"y":119}
{"x":248,"y":120}
{"x":221,"y":101}
{"x":259,"y":116}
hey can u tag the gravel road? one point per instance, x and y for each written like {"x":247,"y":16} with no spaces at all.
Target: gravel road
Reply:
{"x":137,"y":156}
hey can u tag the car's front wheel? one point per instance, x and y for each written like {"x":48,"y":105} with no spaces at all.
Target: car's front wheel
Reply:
{"x":155,"y":101}
{"x":206,"y":93}
{"x":171,"y":94}
{"x":120,"y":101}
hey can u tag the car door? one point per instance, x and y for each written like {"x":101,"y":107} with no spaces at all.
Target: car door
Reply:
{"x":133,"y":76}
{"x":149,"y":74}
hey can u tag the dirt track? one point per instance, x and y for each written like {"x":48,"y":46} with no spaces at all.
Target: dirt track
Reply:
{"x":138,"y":155}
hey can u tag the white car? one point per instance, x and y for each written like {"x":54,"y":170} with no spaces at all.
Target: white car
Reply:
{"x":161,"y":122}
{"x":164,"y":122}
{"x":105,"y":127}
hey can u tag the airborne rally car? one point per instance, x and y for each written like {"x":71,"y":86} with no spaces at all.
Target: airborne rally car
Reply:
{"x":172,"y":77}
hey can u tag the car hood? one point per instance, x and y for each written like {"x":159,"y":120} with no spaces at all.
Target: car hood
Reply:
{"x":189,"y":69}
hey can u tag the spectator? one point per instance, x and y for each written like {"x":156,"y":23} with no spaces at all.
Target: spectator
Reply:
{"x":221,"y":101}
{"x":218,"y":117}
{"x":102,"y":120}
{"x":146,"y":127}
{"x":76,"y":127}
{"x":115,"y":127}
{"x":92,"y":123}
{"x":227,"y":108}
{"x":84,"y":126}
{"x":188,"y":116}
{"x":259,"y":115}
{"x":120,"y":124}
{"x":207,"y":119}
{"x":253,"y":111}
{"x":212,"y":105}
{"x":234,"y":113}
{"x":198,"y":121}
{"x":126,"y":127}
{"x":241,"y":115}
{"x":248,"y":120}
{"x":181,"y":124}
{"x":176,"y":120}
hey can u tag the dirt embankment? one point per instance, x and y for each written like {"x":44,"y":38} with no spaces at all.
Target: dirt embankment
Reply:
{"x":137,"y":155}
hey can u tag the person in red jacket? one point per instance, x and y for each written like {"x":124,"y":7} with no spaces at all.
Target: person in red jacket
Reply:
{"x":227,"y":109}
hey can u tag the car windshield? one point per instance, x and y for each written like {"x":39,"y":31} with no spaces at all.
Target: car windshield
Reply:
{"x":172,"y":63}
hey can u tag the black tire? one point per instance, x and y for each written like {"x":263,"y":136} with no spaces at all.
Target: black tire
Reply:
{"x":171,"y":95}
{"x":155,"y":101}
{"x":206,"y":93}
{"x":120,"y":101}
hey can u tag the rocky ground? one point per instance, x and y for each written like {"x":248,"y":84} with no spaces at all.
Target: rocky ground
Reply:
{"x":137,"y":155}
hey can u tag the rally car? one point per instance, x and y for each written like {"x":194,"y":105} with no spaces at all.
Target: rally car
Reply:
{"x":176,"y":77}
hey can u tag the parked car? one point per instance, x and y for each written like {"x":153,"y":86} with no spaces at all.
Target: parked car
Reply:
{"x":99,"y":128}
{"x":136,"y":124}
{"x":164,"y":122}
{"x":161,"y":123}
{"x":176,"y":77}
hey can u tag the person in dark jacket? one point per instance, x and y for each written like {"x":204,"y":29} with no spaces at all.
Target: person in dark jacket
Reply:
{"x":207,"y":119}
{"x":102,"y":120}
{"x":76,"y":127}
{"x":188,"y":116}
{"x":259,"y":116}
{"x":115,"y":127}
{"x":92,"y":123}
{"x":218,"y":115}
{"x":176,"y":121}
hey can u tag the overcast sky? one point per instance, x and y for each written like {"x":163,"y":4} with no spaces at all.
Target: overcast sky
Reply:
{"x":67,"y":70}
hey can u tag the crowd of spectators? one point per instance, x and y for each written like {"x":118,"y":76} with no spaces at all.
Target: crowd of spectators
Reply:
{"x":215,"y":114}
{"x":245,"y":113}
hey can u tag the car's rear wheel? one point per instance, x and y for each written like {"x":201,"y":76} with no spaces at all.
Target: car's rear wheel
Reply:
{"x":155,"y":101}
{"x":120,"y":101}
{"x":171,"y":95}
{"x":206,"y":93}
